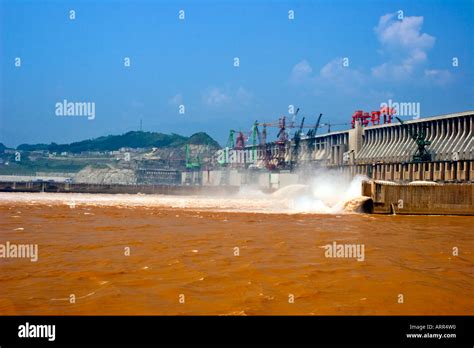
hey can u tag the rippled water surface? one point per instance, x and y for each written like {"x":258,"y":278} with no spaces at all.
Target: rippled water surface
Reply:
{"x":186,"y":245}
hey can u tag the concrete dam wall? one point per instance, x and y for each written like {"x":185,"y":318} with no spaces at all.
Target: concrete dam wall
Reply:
{"x":386,"y":151}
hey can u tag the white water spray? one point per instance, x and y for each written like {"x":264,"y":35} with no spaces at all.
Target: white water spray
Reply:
{"x":326,"y":193}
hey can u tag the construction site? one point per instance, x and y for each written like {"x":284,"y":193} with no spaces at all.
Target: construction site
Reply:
{"x":379,"y":145}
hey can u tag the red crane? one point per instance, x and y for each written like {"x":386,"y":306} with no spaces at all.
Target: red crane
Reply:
{"x":364,"y":118}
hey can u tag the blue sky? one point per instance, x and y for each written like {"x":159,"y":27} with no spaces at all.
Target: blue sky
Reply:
{"x":191,"y":62}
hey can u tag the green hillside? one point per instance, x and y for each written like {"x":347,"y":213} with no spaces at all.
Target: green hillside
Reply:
{"x":133,"y":139}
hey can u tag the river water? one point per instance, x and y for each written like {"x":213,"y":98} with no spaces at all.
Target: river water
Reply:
{"x":249,"y":254}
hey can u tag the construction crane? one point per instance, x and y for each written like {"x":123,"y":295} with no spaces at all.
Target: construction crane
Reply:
{"x":281,"y":124}
{"x":296,"y":145}
{"x":282,"y":134}
{"x":421,"y":154}
{"x":312,"y":135}
{"x":292,"y":124}
{"x":256,"y":137}
{"x":230,"y":140}
{"x":282,"y":137}
{"x":192,"y":163}
{"x":329,"y":125}
{"x":312,"y":132}
{"x":233,"y":142}
{"x":262,"y":139}
{"x":364,"y":118}
{"x":228,"y":146}
{"x":240,"y":140}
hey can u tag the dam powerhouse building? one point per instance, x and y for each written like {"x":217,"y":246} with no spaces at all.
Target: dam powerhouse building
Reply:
{"x":379,"y":145}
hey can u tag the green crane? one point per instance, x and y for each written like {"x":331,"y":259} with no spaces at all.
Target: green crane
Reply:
{"x":421,"y":154}
{"x":255,"y":138}
{"x":229,"y":146}
{"x":192,"y":163}
{"x":230,"y":141}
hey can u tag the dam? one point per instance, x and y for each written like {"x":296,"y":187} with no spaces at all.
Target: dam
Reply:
{"x":422,"y":166}
{"x":382,"y":152}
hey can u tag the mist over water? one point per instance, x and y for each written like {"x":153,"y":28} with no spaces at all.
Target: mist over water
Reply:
{"x":325,"y":193}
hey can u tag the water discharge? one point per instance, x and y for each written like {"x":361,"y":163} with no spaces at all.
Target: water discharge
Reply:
{"x":324,"y":194}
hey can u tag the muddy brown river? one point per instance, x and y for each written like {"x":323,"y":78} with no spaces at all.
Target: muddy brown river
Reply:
{"x":133,"y":255}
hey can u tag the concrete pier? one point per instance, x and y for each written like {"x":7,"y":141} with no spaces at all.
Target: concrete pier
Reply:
{"x":443,"y":199}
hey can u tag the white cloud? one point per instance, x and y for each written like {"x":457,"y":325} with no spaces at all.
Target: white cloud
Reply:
{"x":333,"y":74}
{"x":343,"y":78}
{"x":393,"y":71}
{"x":215,"y":97}
{"x":243,"y":95}
{"x":334,"y":78}
{"x":438,"y":77}
{"x":301,"y":72}
{"x":403,"y":33}
{"x":337,"y":72}
{"x":177,"y":99}
{"x":405,"y":45}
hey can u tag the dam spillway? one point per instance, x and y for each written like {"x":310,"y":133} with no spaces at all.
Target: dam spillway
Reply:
{"x":386,"y":151}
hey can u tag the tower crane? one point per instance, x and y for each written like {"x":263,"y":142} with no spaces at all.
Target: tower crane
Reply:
{"x":296,"y":145}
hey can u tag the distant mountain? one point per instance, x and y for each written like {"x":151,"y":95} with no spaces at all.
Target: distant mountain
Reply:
{"x":3,"y":147}
{"x":133,"y":139}
{"x":202,"y":138}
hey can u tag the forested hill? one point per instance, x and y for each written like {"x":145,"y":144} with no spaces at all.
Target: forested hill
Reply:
{"x":133,"y":139}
